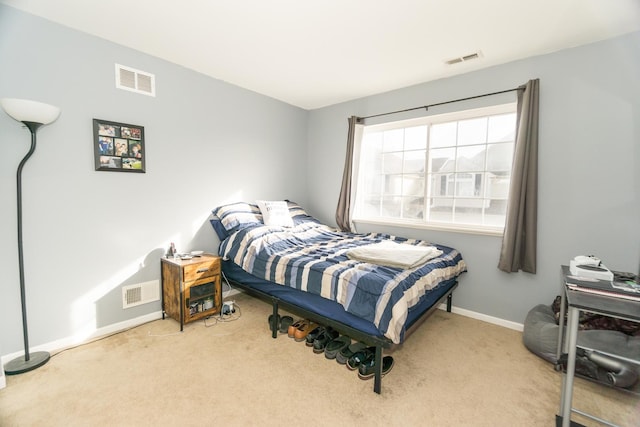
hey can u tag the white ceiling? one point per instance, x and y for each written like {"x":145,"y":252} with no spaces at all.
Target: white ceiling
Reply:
{"x":314,"y":54}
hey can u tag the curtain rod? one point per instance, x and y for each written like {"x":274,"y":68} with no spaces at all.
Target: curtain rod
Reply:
{"x":426,"y":107}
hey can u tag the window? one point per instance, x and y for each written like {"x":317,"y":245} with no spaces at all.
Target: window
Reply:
{"x":449,"y":171}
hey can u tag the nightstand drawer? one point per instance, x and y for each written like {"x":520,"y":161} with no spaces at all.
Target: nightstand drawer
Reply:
{"x":201,"y":270}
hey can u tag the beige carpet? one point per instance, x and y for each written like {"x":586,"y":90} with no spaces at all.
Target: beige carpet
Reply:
{"x":453,"y":371}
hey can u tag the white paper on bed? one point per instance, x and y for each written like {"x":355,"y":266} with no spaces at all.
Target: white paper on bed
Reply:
{"x":391,"y":254}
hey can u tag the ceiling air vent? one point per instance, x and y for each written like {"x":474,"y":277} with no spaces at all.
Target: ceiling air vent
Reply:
{"x":133,"y":80}
{"x":465,"y":58}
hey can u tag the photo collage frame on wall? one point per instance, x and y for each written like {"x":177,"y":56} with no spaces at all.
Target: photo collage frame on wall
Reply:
{"x":118,"y":147}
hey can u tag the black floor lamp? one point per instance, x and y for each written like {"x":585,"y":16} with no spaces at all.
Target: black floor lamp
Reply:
{"x":33,"y":114}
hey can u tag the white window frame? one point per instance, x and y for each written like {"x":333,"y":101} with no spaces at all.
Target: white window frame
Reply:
{"x":427,"y":120}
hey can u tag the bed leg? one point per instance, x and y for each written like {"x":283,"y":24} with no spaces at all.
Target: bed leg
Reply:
{"x":449,"y":298}
{"x":274,"y":320}
{"x":377,"y":381}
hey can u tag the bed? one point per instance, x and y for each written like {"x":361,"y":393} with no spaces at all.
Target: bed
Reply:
{"x":344,"y":280}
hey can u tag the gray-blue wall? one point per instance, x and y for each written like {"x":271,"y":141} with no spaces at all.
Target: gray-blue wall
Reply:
{"x":88,"y":233}
{"x":589,"y":167}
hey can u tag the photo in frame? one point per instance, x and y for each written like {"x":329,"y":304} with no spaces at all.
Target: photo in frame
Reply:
{"x":118,"y":147}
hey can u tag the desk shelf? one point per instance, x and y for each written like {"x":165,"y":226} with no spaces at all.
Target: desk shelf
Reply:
{"x":577,"y":302}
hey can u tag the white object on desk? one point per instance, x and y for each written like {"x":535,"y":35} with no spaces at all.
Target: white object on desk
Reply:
{"x":589,"y":270}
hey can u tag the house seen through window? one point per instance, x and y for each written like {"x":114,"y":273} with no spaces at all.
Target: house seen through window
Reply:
{"x":447,"y":171}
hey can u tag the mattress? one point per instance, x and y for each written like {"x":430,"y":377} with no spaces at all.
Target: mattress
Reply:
{"x":330,"y":309}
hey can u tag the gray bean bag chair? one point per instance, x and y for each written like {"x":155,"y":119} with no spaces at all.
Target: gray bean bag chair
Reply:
{"x":540,"y":336}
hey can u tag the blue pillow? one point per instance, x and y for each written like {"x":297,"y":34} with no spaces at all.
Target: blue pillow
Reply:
{"x":298,"y":214}
{"x":237,"y":216}
{"x":219,"y":228}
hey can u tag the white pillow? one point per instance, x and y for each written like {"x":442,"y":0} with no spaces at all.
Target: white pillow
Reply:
{"x":275,"y":213}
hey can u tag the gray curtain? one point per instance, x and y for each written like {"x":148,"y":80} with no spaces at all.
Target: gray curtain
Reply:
{"x":519,"y":242}
{"x":343,"y":212}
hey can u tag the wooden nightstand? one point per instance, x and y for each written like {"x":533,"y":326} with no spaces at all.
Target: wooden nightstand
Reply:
{"x":191,"y":289}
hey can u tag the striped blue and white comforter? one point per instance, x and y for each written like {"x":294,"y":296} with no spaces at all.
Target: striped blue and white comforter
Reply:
{"x":311,"y":257}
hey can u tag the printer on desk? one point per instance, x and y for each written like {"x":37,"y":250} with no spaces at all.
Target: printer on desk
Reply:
{"x":589,"y":266}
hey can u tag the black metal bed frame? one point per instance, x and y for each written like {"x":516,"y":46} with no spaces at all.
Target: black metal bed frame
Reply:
{"x":378,"y":342}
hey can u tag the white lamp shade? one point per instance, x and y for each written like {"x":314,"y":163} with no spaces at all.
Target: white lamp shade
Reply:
{"x":24,"y":110}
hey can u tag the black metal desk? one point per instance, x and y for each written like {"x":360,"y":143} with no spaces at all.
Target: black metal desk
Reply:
{"x":576,"y":302}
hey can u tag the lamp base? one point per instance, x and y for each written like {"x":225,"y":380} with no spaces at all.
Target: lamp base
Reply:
{"x":20,"y":366}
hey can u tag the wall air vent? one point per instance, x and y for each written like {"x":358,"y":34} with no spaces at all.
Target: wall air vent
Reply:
{"x":140,"y":293}
{"x":465,"y":58}
{"x":133,"y":80}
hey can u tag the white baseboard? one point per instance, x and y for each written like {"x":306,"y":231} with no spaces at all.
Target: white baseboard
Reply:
{"x":231,"y":293}
{"x":485,"y":318}
{"x":83,"y":338}
{"x":72,"y":341}
{"x":461,"y":311}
